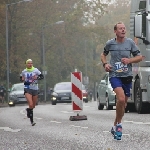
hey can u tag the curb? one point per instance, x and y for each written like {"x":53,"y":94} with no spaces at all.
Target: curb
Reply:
{"x":39,"y":103}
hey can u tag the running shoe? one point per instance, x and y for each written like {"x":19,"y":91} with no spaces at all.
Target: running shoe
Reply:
{"x":112,"y":131}
{"x":33,"y":123}
{"x":118,"y":132}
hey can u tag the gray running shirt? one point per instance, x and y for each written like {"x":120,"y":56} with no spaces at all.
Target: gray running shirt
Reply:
{"x":29,"y":78}
{"x":118,"y":51}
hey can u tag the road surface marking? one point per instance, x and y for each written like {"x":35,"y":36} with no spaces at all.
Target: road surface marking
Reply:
{"x":84,"y":127}
{"x":55,"y":121}
{"x":86,"y":106}
{"x":75,"y":126}
{"x":106,"y":131}
{"x":146,"y":122}
{"x":38,"y":118}
{"x":111,"y":110}
{"x":128,"y":121}
{"x":79,"y":127}
{"x":22,"y":112}
{"x":67,"y":112}
{"x":9,"y":129}
{"x":134,"y":122}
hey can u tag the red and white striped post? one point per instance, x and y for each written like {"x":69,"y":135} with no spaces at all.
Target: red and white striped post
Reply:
{"x":77,"y":95}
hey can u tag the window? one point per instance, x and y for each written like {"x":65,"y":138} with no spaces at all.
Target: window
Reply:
{"x":142,"y":5}
{"x":18,"y":87}
{"x":63,"y":86}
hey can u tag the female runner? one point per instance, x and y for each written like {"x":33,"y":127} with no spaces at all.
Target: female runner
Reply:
{"x":30,"y":77}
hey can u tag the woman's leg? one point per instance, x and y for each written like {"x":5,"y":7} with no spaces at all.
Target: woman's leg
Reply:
{"x":30,"y":103}
{"x":29,"y":98}
{"x":34,"y":100}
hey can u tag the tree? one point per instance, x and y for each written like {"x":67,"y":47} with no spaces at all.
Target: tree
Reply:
{"x":64,"y":44}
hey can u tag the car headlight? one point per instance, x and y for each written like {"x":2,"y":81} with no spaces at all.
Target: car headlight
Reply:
{"x":11,"y":103}
{"x":84,"y":96}
{"x":53,"y":98}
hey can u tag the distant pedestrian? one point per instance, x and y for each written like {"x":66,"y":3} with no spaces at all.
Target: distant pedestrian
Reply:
{"x":2,"y":93}
{"x":90,"y":94}
{"x":30,"y":77}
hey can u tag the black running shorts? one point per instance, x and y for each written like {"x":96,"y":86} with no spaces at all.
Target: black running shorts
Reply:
{"x":31,"y":92}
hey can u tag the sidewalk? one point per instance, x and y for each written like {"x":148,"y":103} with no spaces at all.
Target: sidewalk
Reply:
{"x":39,"y":103}
{"x":3,"y":104}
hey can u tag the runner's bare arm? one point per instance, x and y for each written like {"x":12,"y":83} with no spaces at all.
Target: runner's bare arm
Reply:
{"x":103,"y":58}
{"x":21,"y":78}
{"x":135,"y":59}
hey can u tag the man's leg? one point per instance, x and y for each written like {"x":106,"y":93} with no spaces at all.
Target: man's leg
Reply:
{"x":116,"y":84}
{"x":120,"y":108}
{"x":120,"y":104}
{"x":126,"y":99}
{"x":122,"y":93}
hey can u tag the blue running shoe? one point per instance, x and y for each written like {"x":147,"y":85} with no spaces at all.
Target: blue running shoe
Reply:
{"x":113,"y":132}
{"x":118,"y":133}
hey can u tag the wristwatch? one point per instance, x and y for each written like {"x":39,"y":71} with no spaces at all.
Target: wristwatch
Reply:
{"x":104,"y":64}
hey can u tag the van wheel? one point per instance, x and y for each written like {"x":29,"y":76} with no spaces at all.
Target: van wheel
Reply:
{"x":130,"y":108}
{"x":100,"y":106}
{"x":139,"y":105}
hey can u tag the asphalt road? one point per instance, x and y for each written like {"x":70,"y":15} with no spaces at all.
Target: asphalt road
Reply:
{"x":54,"y":130}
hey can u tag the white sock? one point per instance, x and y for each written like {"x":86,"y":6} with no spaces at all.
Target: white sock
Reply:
{"x":119,"y":124}
{"x":114,"y":127}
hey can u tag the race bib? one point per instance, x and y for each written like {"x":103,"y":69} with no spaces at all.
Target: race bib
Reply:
{"x":30,"y":80}
{"x":120,"y":67}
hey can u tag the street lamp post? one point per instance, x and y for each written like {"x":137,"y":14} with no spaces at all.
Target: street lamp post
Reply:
{"x":7,"y":42}
{"x":85,"y":59}
{"x":43,"y":53}
{"x":44,"y":67}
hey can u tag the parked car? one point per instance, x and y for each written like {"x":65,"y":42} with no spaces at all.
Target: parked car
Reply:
{"x":85,"y":94}
{"x":16,"y":95}
{"x":105,"y":94}
{"x":61,"y":93}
